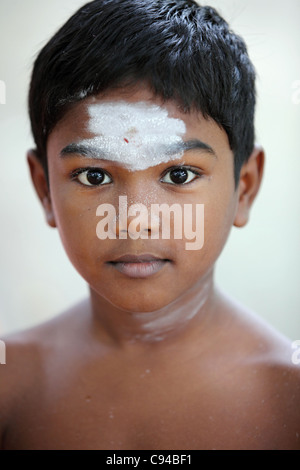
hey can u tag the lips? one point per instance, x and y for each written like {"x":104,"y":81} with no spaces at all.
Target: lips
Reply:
{"x":139,"y":266}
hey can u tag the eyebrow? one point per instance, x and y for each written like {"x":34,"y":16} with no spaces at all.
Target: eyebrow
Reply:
{"x":195,"y":144}
{"x":94,"y":152}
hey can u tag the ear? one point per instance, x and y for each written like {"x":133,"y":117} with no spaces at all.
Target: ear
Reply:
{"x":41,"y":186}
{"x":249,"y":184}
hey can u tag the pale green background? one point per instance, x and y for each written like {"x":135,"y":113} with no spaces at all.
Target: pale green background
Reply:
{"x":260,"y":265}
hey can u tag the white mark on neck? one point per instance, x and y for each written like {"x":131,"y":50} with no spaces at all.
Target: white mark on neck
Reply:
{"x":158,"y":325}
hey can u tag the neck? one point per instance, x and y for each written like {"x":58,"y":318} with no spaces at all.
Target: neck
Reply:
{"x":190,"y":310}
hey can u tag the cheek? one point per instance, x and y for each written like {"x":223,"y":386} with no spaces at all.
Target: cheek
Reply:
{"x":219,"y":210}
{"x":76,"y":221}
{"x":219,"y":216}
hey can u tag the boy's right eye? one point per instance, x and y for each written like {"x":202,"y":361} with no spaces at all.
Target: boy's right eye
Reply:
{"x":91,"y":177}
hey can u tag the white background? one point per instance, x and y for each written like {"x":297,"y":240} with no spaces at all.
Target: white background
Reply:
{"x":260,"y":265}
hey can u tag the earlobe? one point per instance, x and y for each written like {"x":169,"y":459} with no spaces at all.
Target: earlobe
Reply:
{"x":249,"y":184}
{"x":40,"y":184}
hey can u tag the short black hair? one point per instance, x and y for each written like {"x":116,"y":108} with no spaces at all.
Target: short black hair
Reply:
{"x":181,"y":50}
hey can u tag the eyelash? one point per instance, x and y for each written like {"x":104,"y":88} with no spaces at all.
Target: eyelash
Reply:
{"x":198,"y":174}
{"x":74,"y":175}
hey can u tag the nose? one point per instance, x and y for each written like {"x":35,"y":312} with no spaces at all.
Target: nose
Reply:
{"x":136,"y":221}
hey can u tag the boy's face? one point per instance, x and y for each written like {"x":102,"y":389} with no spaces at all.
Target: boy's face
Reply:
{"x":204,"y":177}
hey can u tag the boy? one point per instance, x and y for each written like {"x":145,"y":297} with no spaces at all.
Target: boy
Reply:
{"x":142,"y":103}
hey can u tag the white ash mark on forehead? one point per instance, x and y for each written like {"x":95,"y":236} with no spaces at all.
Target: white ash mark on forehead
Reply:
{"x":136,"y":135}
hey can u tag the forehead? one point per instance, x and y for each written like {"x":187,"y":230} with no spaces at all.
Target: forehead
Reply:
{"x":125,"y":112}
{"x":116,"y":118}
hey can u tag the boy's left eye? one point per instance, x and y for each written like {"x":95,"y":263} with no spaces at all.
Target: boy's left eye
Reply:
{"x":180,"y":176}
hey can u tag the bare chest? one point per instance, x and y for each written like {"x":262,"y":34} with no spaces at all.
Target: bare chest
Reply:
{"x":142,"y":413}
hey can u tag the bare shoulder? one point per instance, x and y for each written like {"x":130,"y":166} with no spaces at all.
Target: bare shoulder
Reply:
{"x":269,"y":375}
{"x":27,"y":354}
{"x":17,"y":375}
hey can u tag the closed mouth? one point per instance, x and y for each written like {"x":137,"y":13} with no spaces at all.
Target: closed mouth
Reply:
{"x":142,"y":258}
{"x":139,"y":266}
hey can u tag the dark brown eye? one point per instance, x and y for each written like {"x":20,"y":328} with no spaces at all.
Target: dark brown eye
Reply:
{"x":93,"y":177}
{"x":180,"y":176}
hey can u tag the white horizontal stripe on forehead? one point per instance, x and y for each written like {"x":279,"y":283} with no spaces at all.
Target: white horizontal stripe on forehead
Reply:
{"x":136,"y":135}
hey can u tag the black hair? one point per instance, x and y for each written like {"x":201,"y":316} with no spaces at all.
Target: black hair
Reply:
{"x":183,"y":51}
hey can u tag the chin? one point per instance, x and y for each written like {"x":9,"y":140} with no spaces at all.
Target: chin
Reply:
{"x":139,"y":303}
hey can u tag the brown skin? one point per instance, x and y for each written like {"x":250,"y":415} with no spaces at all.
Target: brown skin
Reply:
{"x":106,"y":374}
